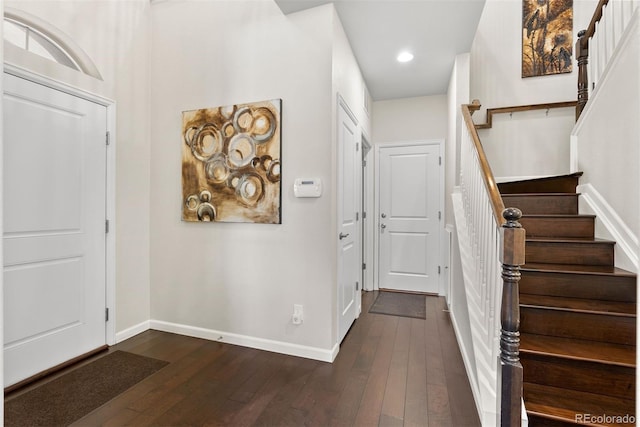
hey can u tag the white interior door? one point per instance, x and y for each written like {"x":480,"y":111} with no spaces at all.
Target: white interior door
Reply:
{"x":348,"y":237}
{"x":409,"y":222}
{"x":54,"y":227}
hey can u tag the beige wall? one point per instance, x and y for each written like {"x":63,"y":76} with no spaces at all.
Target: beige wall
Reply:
{"x":524,"y":144}
{"x":243,"y":279}
{"x":410,"y":119}
{"x":496,"y":59}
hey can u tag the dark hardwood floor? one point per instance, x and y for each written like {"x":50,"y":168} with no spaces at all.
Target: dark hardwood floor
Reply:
{"x":391,"y":371}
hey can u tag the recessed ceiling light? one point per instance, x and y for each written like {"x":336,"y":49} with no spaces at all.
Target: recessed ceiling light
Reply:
{"x":405,"y":56}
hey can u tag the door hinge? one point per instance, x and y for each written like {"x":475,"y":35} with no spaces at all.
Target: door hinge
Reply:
{"x":108,"y":138}
{"x":439,"y":215}
{"x":364,"y":163}
{"x":438,"y":269}
{"x":106,"y":314}
{"x":357,"y":216}
{"x":357,"y":146}
{"x":106,"y":226}
{"x":357,"y":286}
{"x":440,"y":160}
{"x":364,"y":215}
{"x":364,"y":266}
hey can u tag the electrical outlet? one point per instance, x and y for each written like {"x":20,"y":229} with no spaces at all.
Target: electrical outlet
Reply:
{"x":298,"y":315}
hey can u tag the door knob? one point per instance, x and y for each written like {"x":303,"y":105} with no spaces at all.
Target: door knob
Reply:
{"x":383,"y":226}
{"x":342,"y":235}
{"x":383,"y":215}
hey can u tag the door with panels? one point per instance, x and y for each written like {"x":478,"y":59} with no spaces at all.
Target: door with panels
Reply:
{"x":409,"y":217}
{"x":54,"y":184}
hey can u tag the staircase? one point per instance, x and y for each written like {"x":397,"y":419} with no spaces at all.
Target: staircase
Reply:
{"x":578,"y":312}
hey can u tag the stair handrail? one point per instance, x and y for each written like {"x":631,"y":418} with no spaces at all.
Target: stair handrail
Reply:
{"x":520,"y":108}
{"x":499,"y":239}
{"x":608,"y":23}
{"x":487,"y":174}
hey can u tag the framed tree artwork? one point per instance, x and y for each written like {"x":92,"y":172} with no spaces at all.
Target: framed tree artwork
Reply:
{"x":547,"y":37}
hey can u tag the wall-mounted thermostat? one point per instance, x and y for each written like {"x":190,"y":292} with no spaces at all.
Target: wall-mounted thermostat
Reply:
{"x":307,"y":187}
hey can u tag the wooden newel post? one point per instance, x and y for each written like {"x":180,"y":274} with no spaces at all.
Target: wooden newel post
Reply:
{"x":510,"y":369}
{"x":582,"y":55}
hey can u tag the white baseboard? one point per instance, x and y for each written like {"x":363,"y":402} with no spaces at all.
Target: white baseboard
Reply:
{"x":132,"y":331}
{"x":610,"y":226}
{"x":324,"y":355}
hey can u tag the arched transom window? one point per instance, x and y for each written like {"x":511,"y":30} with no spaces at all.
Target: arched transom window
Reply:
{"x":32,"y":40}
{"x":39,"y":37}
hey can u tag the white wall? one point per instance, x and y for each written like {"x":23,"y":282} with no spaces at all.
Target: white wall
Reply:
{"x":518,"y":146}
{"x":349,"y":84}
{"x":243,"y":279}
{"x":496,"y":59}
{"x":607,"y":145}
{"x":409,"y":119}
{"x":529,"y":144}
{"x":115,"y":36}
{"x":347,"y":78}
{"x":458,"y":94}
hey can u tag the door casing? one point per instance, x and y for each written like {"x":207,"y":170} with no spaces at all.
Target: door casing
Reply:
{"x":342,"y":106}
{"x":110,"y":250}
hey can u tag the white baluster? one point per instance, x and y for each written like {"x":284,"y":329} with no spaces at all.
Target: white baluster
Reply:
{"x":617,"y":10}
{"x":609,"y":31}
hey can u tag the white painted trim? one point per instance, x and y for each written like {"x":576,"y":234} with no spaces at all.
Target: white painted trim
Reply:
{"x":441,"y":203}
{"x":609,"y":225}
{"x":368,"y":194}
{"x":449,"y":229}
{"x":573,"y":154}
{"x":110,"y":250}
{"x":1,"y":219}
{"x":132,"y":331}
{"x":342,"y":103}
{"x":56,"y":84}
{"x":444,"y":248}
{"x":324,"y":355}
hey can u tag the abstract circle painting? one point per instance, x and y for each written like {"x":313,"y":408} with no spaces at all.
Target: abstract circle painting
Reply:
{"x":231,"y":163}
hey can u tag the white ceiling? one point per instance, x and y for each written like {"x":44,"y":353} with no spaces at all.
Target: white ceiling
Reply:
{"x":435,"y":31}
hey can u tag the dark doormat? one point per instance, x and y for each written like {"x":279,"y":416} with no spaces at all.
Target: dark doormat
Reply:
{"x":400,"y":304}
{"x":75,"y":394}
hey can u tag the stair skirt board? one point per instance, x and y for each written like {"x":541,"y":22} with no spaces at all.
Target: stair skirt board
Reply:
{"x":610,"y":226}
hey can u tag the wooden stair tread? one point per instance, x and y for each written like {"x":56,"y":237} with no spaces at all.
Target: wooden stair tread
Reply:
{"x":558,"y":216}
{"x":578,"y":240}
{"x":578,"y":268}
{"x":592,"y":351}
{"x":540,"y":194}
{"x":563,"y":404}
{"x":581,"y":305}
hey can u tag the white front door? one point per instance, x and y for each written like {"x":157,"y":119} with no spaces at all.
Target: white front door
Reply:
{"x":409,"y":223}
{"x":348,"y":230}
{"x":54,"y":227}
